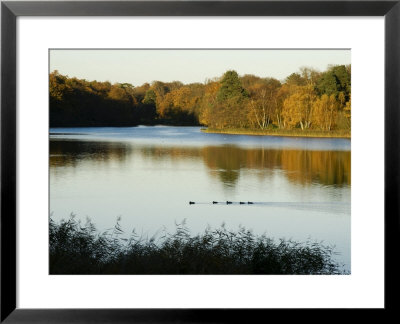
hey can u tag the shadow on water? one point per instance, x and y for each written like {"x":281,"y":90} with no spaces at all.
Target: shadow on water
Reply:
{"x":226,"y":163}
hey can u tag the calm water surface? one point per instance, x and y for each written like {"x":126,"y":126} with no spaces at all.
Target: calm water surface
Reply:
{"x":147,"y":175}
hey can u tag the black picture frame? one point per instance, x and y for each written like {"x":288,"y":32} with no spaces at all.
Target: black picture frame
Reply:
{"x":10,"y":10}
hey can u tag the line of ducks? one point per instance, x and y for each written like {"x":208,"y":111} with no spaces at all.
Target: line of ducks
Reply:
{"x":227,"y":202}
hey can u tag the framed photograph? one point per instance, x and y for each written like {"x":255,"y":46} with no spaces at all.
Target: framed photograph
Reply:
{"x":197,"y":161}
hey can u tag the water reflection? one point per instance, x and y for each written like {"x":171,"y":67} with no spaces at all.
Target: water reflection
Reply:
{"x":226,"y":163}
{"x":70,"y":153}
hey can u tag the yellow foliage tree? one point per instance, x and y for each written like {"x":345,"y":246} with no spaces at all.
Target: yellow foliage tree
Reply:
{"x":209,"y":103}
{"x":118,"y":93}
{"x":347,"y":111}
{"x":325,"y":112}
{"x":298,"y":107}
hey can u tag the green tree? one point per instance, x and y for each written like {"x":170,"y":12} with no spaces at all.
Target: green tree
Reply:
{"x":337,"y":79}
{"x":231,"y":87}
{"x":230,"y":108}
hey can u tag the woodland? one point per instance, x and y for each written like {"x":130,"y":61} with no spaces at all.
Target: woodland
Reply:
{"x":305,"y":101}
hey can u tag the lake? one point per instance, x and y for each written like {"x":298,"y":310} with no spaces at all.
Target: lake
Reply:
{"x":300,"y":187}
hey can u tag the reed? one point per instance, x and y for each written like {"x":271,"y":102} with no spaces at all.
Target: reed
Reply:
{"x":280,"y":132}
{"x":77,"y":248}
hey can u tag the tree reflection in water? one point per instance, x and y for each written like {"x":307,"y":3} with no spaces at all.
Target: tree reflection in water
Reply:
{"x":226,"y":163}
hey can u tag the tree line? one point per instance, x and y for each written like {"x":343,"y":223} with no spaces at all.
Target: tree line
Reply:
{"x":305,"y":100}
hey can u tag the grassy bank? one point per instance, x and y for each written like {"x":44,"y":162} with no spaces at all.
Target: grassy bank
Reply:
{"x":280,"y":132}
{"x":77,"y":248}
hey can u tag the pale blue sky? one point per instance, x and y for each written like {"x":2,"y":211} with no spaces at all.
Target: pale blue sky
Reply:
{"x":140,"y":66}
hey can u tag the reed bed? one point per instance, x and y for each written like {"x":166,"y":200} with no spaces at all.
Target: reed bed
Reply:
{"x":77,"y":248}
{"x":280,"y":132}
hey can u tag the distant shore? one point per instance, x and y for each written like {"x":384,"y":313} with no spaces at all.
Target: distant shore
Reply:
{"x":280,"y":132}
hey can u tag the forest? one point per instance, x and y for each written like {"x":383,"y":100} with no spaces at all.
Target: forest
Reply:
{"x":307,"y":100}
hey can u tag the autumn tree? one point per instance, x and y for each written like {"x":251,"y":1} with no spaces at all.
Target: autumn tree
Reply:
{"x":118,"y":93}
{"x":208,"y":103}
{"x":58,"y":86}
{"x":281,"y":94}
{"x":263,"y":102}
{"x":325,"y":112}
{"x":182,"y":105}
{"x":309,"y":75}
{"x":78,"y":102}
{"x":249,"y":80}
{"x":347,"y":112}
{"x":298,"y":107}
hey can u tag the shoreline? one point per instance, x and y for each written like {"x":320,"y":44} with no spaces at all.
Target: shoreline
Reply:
{"x":280,"y":133}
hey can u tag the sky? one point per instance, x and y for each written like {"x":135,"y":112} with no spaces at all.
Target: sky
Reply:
{"x":188,"y":66}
